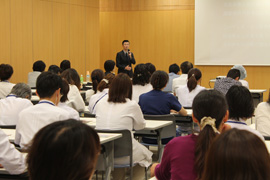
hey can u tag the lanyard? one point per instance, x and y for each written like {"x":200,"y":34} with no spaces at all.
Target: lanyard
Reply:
{"x":40,"y":102}
{"x":11,"y":95}
{"x":98,"y":101}
{"x":236,"y":122}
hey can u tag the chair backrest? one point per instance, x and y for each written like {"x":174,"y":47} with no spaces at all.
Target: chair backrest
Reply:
{"x":86,"y":114}
{"x":8,"y":126}
{"x":169,"y":131}
{"x":182,"y":119}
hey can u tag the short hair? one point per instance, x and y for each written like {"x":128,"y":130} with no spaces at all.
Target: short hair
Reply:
{"x":65,"y":64}
{"x":141,"y":76}
{"x":64,"y":91}
{"x":47,"y":83}
{"x":150,"y":67}
{"x":72,"y":77}
{"x":105,"y":82}
{"x":54,"y":69}
{"x":109,"y":65}
{"x":240,"y":102}
{"x":208,"y":103}
{"x":237,"y":154}
{"x":194,"y":75}
{"x":159,"y":80}
{"x":22,"y":90}
{"x":174,"y":68}
{"x":97,"y":75}
{"x":243,"y":72}
{"x":39,"y":66}
{"x":6,"y":72}
{"x":233,"y":73}
{"x":120,"y":89}
{"x":125,"y":41}
{"x":63,"y":150}
{"x":186,"y":66}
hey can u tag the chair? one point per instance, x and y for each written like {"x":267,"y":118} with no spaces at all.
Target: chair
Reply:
{"x":8,"y":126}
{"x":86,"y":114}
{"x":184,"y":121}
{"x":266,"y":138}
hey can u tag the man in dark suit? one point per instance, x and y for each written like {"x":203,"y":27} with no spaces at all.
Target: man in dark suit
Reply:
{"x":124,"y":59}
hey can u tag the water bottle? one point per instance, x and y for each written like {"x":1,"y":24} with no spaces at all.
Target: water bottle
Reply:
{"x":87,"y":76}
{"x":81,"y":79}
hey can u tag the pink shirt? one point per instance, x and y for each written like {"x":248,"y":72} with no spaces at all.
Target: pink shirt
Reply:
{"x":178,"y":159}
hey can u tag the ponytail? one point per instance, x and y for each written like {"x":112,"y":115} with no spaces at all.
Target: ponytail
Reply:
{"x":97,"y":75}
{"x":194,"y":75}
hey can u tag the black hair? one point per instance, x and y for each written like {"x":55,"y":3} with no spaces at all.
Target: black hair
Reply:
{"x":65,"y":64}
{"x":125,"y":41}
{"x":64,"y":91}
{"x":240,"y":102}
{"x":194,"y":75}
{"x":109,"y":65}
{"x":233,"y":73}
{"x":47,"y":83}
{"x":97,"y":75}
{"x":54,"y":69}
{"x":186,"y":66}
{"x":269,"y":97}
{"x":6,"y":72}
{"x":39,"y":66}
{"x":141,"y":76}
{"x":150,"y":67}
{"x":159,"y":80}
{"x":174,"y":68}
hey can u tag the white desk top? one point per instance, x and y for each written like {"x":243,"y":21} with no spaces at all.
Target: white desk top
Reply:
{"x":189,"y":112}
{"x":33,"y":90}
{"x":10,"y":133}
{"x":257,"y":90}
{"x":34,"y":98}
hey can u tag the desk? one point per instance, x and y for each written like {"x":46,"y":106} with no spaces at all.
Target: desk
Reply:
{"x":35,"y":99}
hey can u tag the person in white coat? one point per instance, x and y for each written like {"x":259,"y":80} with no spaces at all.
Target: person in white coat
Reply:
{"x":75,"y":99}
{"x":262,"y":117}
{"x":96,"y":76}
{"x":14,"y":103}
{"x":120,"y":112}
{"x":38,"y":67}
{"x":102,"y":92}
{"x":6,"y":72}
{"x":45,"y":112}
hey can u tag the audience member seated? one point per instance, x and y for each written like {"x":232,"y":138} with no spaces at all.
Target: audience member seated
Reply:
{"x":173,"y":73}
{"x":186,"y":93}
{"x":157,"y":102}
{"x":38,"y":67}
{"x":65,"y":64}
{"x":243,"y":75}
{"x":241,"y":108}
{"x":224,"y":84}
{"x":150,"y":68}
{"x":14,"y":103}
{"x":54,"y":69}
{"x":75,"y":99}
{"x":120,"y":112}
{"x":73,"y":114}
{"x":45,"y":112}
{"x":109,"y":67}
{"x":140,"y":82}
{"x":102,"y":92}
{"x":182,"y":80}
{"x":237,"y":154}
{"x":96,"y":76}
{"x":63,"y":150}
{"x":184,"y":156}
{"x":6,"y":72}
{"x":262,"y":117}
{"x":10,"y":158}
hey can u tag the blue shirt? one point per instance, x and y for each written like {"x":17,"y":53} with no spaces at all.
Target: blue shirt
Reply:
{"x":168,"y":87}
{"x":158,"y":103}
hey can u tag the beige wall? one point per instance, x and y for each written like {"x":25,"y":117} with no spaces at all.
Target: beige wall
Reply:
{"x":161,"y":32}
{"x":50,"y":30}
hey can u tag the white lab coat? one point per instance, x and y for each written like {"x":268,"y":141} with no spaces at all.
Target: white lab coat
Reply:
{"x":73,"y":114}
{"x":10,"y":108}
{"x":262,"y":117}
{"x":182,"y":80}
{"x":117,"y":116}
{"x":88,"y":94}
{"x":32,"y":78}
{"x":138,"y":90}
{"x":5,"y":88}
{"x":11,"y":159}
{"x":96,"y":98}
{"x":75,"y":99}
{"x":32,"y":119}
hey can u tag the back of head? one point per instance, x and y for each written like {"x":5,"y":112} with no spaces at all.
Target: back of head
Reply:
{"x":109,"y":65}
{"x":151,"y":68}
{"x":39,"y":66}
{"x":120,"y":89}
{"x":207,"y":106}
{"x":233,"y":73}
{"x":47,"y":83}
{"x":97,"y":75}
{"x":54,"y":69}
{"x":64,"y":91}
{"x":22,"y":90}
{"x":106,"y":82}
{"x":141,"y":76}
{"x":240,"y":102}
{"x":72,"y":77}
{"x":6,"y":72}
{"x":65,"y":64}
{"x":237,"y":154}
{"x":174,"y":68}
{"x":243,"y":72}
{"x":194,"y":75}
{"x":159,"y":80}
{"x":186,"y":66}
{"x":63,"y":150}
